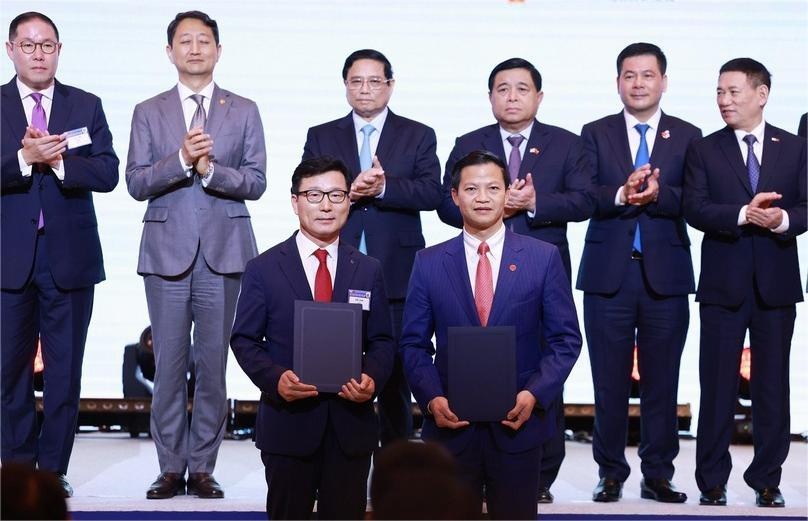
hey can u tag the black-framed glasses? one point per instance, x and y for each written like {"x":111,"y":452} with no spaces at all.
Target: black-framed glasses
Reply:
{"x":316,"y":196}
{"x":28,"y":47}
{"x":374,"y":83}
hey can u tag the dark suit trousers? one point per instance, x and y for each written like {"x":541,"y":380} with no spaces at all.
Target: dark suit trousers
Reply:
{"x":511,"y":481}
{"x":395,"y":402}
{"x":723,"y":330}
{"x":60,"y":318}
{"x":336,"y":480}
{"x":661,"y":325}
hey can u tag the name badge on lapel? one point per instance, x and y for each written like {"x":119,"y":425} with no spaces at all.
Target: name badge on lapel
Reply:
{"x":359,"y":296}
{"x":77,"y":138}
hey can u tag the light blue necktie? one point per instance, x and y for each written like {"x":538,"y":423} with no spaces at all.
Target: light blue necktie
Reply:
{"x":641,"y":159}
{"x":365,"y":162}
{"x":752,"y":165}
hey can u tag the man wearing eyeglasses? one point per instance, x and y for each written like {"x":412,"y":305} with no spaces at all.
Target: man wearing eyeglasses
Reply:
{"x":51,"y":252}
{"x":395,"y":175}
{"x":196,"y":153}
{"x":313,"y":445}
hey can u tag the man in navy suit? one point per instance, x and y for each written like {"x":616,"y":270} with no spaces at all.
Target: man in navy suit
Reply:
{"x":745,"y":189}
{"x":51,"y":253}
{"x":636,"y":274}
{"x":549,"y":187}
{"x":395,"y":175}
{"x":313,"y":444}
{"x":490,"y":276}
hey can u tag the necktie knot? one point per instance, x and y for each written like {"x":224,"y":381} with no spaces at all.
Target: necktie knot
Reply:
{"x":483,"y":248}
{"x":642,"y":128}
{"x":367,"y":130}
{"x":321,"y":255}
{"x":750,"y":139}
{"x":37,"y":97}
{"x":516,"y":140}
{"x":197,"y":99}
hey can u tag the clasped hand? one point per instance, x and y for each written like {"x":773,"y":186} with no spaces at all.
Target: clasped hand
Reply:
{"x":761,"y":213}
{"x":196,"y":149}
{"x":368,"y":183}
{"x":632,"y":193}
{"x":291,"y":388}
{"x":40,"y":147}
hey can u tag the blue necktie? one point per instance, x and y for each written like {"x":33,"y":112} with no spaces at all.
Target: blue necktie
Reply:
{"x":365,"y":162}
{"x":752,"y":165}
{"x":642,"y":158}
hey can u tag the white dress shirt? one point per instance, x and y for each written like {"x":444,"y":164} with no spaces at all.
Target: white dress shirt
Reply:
{"x":188,"y":110}
{"x":28,"y":104}
{"x":634,"y":141}
{"x":759,"y":133}
{"x":495,"y":245}
{"x":306,"y":249}
{"x":378,"y":124}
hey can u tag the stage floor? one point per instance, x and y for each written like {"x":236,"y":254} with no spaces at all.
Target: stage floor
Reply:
{"x":110,"y":473}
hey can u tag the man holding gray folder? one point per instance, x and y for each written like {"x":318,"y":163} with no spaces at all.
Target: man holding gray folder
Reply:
{"x":314,"y":442}
{"x":490,"y":278}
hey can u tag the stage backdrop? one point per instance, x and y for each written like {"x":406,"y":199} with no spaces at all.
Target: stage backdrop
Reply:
{"x":287,"y":56}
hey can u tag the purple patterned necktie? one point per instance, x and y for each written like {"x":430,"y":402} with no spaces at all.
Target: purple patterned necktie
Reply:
{"x":752,"y":165}
{"x":39,"y":121}
{"x":515,"y":159}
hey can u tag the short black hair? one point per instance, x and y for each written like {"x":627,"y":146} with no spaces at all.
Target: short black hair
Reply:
{"x":198,"y":15}
{"x":756,"y":72}
{"x":316,"y":166}
{"x":479,"y":157}
{"x":368,"y":54}
{"x":24,"y":17}
{"x":515,"y":63}
{"x":641,"y":49}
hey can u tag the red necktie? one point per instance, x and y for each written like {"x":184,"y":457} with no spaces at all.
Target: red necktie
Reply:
{"x":483,"y":285}
{"x":322,"y":280}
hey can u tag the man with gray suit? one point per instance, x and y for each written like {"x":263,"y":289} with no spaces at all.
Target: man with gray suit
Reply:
{"x":196,"y":152}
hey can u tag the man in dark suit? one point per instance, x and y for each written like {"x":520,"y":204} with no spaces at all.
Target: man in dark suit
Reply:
{"x":395,"y":175}
{"x":313,"y":445}
{"x":636,"y":274}
{"x":196,"y":153}
{"x":511,"y":280}
{"x":51,"y":253}
{"x":549,"y":187}
{"x":745,"y":189}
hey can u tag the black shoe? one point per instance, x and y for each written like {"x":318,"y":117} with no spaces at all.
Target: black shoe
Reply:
{"x":204,"y":485}
{"x":545,"y":496}
{"x":167,"y":484}
{"x":715,"y":496}
{"x":769,"y":497}
{"x":65,"y":485}
{"x":608,"y":490}
{"x":661,"y":490}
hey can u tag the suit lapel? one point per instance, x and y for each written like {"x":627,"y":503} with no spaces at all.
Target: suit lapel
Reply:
{"x":171,"y":111}
{"x":388,"y":137}
{"x":346,"y":142}
{"x":729,"y":146}
{"x":14,"y":114}
{"x":507,"y":278}
{"x":60,"y":110}
{"x":618,"y":139}
{"x":535,"y":149}
{"x":293,"y":269}
{"x":771,"y":153}
{"x":662,"y":145}
{"x":220,"y":104}
{"x":454,"y":262}
{"x":346,"y":268}
{"x":492,"y":142}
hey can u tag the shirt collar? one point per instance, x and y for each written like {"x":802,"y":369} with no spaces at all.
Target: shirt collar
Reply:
{"x":525,"y":132}
{"x":758,"y":132}
{"x":494,"y":242}
{"x":653,"y":121}
{"x":186,"y":93}
{"x":306,"y":246}
{"x":26,"y":91}
{"x":377,"y":122}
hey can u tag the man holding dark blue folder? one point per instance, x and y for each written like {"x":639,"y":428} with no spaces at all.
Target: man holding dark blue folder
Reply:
{"x":313,"y":443}
{"x":490,"y":277}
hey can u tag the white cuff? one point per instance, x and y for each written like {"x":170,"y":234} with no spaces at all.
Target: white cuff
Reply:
{"x":618,"y":198}
{"x":185,"y":168}
{"x":25,"y":168}
{"x":783,"y":228}
{"x":742,"y":215}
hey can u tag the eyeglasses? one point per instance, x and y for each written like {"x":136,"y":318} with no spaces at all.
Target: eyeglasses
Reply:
{"x":374,"y":83}
{"x":316,"y":196}
{"x":28,"y":47}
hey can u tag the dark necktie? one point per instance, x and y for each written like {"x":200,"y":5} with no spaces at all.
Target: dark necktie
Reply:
{"x":483,"y":285}
{"x":642,"y":158}
{"x":515,"y":159}
{"x":752,"y":165}
{"x":322,"y":279}
{"x":39,"y":121}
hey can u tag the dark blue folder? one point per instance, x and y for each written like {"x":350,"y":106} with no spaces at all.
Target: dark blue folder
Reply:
{"x":328,"y":344}
{"x":482,"y":372}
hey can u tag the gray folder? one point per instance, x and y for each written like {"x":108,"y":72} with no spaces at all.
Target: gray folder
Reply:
{"x":327,"y":344}
{"x":482,"y":372}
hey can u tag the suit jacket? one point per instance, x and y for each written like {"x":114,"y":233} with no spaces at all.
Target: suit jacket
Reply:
{"x":802,"y":130}
{"x":535,"y":298}
{"x":563,"y":184}
{"x":392,"y":224}
{"x":263,"y":343}
{"x":716,"y":188}
{"x":73,"y":245}
{"x":610,"y":236}
{"x":183,"y":216}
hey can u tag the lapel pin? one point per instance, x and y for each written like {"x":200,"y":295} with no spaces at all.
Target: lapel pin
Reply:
{"x":221,"y":101}
{"x":665,"y":134}
{"x":534,"y":151}
{"x":512,"y":267}
{"x":776,"y":139}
